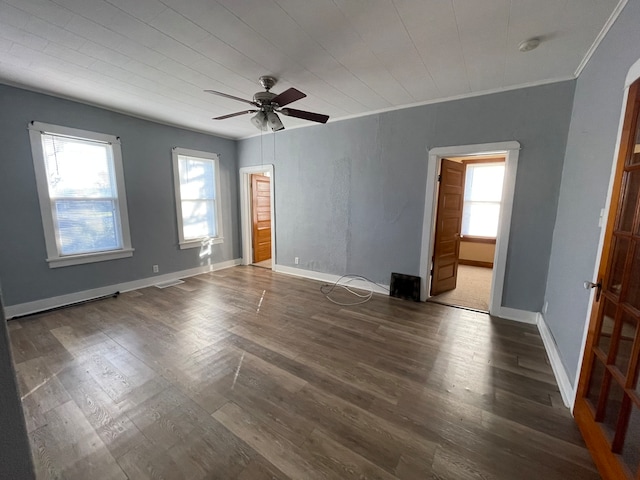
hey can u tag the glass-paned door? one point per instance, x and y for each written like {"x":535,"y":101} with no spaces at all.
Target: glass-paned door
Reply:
{"x":607,"y":406}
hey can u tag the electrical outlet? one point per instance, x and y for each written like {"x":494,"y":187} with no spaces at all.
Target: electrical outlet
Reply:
{"x":296,"y":260}
{"x":156,"y":269}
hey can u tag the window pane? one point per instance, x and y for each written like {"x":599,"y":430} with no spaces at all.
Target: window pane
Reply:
{"x":197,"y":178}
{"x":630,"y":202}
{"x":612,"y":409}
{"x":482,"y":196}
{"x":78,"y":168}
{"x":198,"y":219}
{"x":483,"y":182}
{"x":606,"y":328}
{"x":633,"y":289}
{"x":595,"y":381}
{"x":635,"y":157}
{"x":197,"y":197}
{"x":625,"y":342}
{"x":631,"y":449}
{"x":86,"y":226}
{"x":619,"y":257}
{"x":480,"y":219}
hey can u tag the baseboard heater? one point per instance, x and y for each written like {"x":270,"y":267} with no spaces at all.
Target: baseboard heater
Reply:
{"x":68,"y":305}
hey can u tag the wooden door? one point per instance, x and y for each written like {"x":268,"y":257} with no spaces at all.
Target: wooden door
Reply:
{"x":607,"y":407}
{"x":448,"y":224}
{"x":261,"y":217}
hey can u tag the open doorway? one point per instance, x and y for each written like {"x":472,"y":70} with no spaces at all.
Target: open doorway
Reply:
{"x":257,"y":216}
{"x":467,"y":216}
{"x":510,"y":151}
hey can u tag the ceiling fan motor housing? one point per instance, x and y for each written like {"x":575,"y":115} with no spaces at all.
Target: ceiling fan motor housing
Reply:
{"x":267,"y":81}
{"x":263,"y":98}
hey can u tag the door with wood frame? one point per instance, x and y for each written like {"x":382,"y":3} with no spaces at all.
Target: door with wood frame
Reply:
{"x":444,"y":274}
{"x":261,"y":217}
{"x":607,"y":407}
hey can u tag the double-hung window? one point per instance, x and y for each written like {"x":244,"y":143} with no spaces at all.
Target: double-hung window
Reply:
{"x":482,"y":197}
{"x":81,"y":190}
{"x":197,"y":188}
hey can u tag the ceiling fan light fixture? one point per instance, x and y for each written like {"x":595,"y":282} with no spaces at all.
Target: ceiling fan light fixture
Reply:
{"x":260,"y":120}
{"x":274,"y":121}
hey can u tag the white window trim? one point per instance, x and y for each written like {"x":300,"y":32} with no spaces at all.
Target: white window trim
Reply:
{"x":193,"y":243}
{"x":55,"y":260}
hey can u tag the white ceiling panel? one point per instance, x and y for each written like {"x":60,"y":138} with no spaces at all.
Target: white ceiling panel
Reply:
{"x":5,"y":45}
{"x":95,"y":32}
{"x":144,"y":10}
{"x":154,"y":58}
{"x":22,"y":37}
{"x":43,"y":9}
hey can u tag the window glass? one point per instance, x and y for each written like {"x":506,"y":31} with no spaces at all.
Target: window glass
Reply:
{"x":197,"y":204}
{"x":81,"y":191}
{"x":482,"y":197}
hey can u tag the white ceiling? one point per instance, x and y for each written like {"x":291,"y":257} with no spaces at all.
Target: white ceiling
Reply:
{"x":154,"y":58}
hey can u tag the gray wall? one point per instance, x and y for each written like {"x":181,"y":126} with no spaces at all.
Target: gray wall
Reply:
{"x":585,"y":180}
{"x":146,"y":151}
{"x":15,"y":452}
{"x":350,"y":195}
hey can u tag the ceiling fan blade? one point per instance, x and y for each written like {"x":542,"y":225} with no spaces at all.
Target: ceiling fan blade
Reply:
{"x":314,"y":117}
{"x":232,"y":97}
{"x":234,"y":114}
{"x":288,"y":96}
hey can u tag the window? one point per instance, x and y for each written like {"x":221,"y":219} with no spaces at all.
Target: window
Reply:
{"x":482,"y":197}
{"x":197,"y":184}
{"x":81,"y":190}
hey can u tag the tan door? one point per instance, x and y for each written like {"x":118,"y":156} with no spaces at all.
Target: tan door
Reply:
{"x":607,"y":407}
{"x":261,"y":213}
{"x":448,"y":225}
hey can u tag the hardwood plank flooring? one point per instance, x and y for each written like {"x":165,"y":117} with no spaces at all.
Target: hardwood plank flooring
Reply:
{"x":248,"y":374}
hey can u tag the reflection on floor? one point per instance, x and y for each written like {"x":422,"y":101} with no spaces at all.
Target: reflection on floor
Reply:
{"x":263,"y":264}
{"x":472,"y":291}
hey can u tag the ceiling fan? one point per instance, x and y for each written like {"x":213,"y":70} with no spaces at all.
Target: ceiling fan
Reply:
{"x":268,"y":105}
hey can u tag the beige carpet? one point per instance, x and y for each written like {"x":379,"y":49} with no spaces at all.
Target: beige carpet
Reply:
{"x":472,"y":290}
{"x":263,"y":264}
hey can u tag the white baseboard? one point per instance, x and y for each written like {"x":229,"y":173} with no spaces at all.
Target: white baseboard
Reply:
{"x":516,"y":315}
{"x":564,"y":384}
{"x":27,"y":308}
{"x":331,"y":278}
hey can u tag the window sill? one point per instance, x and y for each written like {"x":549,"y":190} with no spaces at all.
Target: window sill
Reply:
{"x":200,"y":242}
{"x":472,"y":239}
{"x":89,"y":258}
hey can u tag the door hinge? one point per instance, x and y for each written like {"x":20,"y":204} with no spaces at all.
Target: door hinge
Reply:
{"x":439,"y":178}
{"x":431,"y":273}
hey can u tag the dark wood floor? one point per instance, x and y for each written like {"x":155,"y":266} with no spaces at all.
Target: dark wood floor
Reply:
{"x":248,"y":374}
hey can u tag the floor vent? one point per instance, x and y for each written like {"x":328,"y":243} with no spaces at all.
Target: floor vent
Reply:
{"x":170,"y":283}
{"x":405,"y":286}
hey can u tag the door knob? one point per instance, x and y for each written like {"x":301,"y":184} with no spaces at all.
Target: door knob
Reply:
{"x":589,"y":285}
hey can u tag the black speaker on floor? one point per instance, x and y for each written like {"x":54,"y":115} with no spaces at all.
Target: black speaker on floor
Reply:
{"x":405,"y":286}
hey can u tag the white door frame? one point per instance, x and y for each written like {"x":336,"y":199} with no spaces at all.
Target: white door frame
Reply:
{"x":245,"y":212}
{"x":511,"y":151}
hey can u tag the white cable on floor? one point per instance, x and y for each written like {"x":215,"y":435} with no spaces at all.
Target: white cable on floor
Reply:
{"x":326,"y":289}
